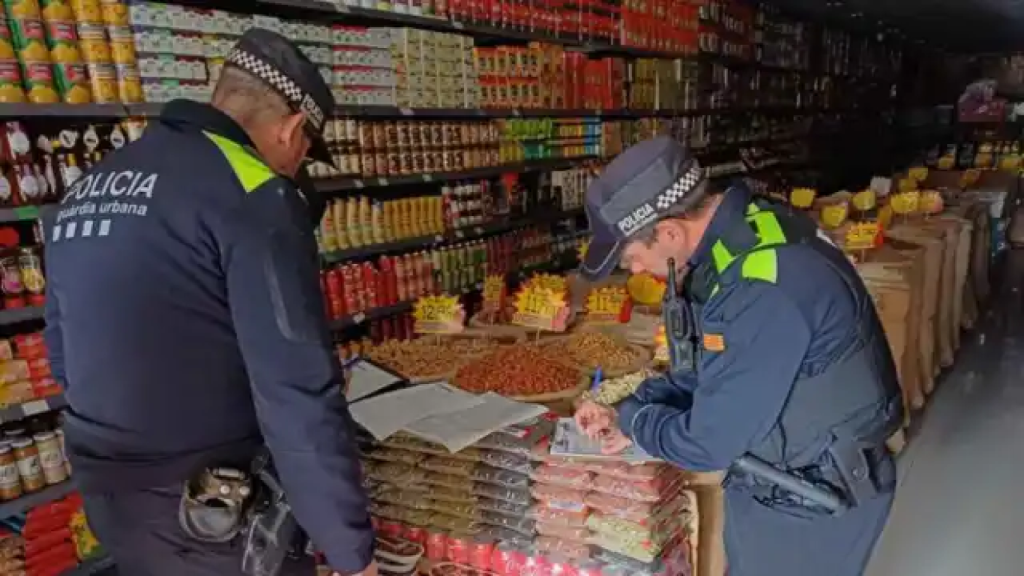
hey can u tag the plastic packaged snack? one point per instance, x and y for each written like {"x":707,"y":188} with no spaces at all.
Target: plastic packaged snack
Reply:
{"x":446,"y":465}
{"x":504,"y":535}
{"x":575,"y":518}
{"x":645,"y":471}
{"x":565,"y":477}
{"x":506,"y":443}
{"x":525,"y":526}
{"x":511,"y":495}
{"x":506,"y":461}
{"x":576,"y":533}
{"x":397,"y":473}
{"x":467,"y":511}
{"x":498,"y":477}
{"x":567,"y":548}
{"x":408,"y":442}
{"x":411,"y":500}
{"x":454,"y":569}
{"x":453,"y":482}
{"x":451,"y":523}
{"x":421,"y":489}
{"x":645,"y":552}
{"x":388,"y":511}
{"x":640,"y":512}
{"x":418,"y":517}
{"x":631,"y":565}
{"x":558,"y":497}
{"x":385,"y":454}
{"x":503,"y":507}
{"x":455,"y":496}
{"x":652,"y":537}
{"x":653,"y":490}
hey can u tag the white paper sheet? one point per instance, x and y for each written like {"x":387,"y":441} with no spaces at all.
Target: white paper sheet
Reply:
{"x":365,"y":379}
{"x":388,"y":413}
{"x":457,"y":430}
{"x":570,"y":441}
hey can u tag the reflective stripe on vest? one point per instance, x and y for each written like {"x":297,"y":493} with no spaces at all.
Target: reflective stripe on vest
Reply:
{"x":250,"y":170}
{"x":760,"y":262}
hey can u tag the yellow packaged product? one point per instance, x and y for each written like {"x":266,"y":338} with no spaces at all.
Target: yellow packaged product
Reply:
{"x":115,"y":13}
{"x":86,"y":544}
{"x":93,"y":43}
{"x":87,"y":11}
{"x":103,"y":81}
{"x":129,"y":84}
{"x":57,"y":10}
{"x":122,"y":44}
{"x":62,"y":40}
{"x":37,"y":78}
{"x":10,"y":82}
{"x":24,"y":9}
{"x":29,"y":39}
{"x":72,"y":83}
{"x":6,"y":44}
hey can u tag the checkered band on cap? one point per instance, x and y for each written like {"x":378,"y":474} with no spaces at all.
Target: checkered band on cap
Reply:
{"x":277,"y":80}
{"x":680,"y":188}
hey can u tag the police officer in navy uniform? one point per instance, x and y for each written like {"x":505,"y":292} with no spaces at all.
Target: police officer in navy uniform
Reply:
{"x":791,"y":365}
{"x":186,"y":323}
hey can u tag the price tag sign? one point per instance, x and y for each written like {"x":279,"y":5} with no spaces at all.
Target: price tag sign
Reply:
{"x":645,"y":289}
{"x":865,"y":200}
{"x":438,"y":315}
{"x":918,"y":174}
{"x":833,"y":215}
{"x":556,"y":284}
{"x":946,"y":163}
{"x":609,"y":305}
{"x":970,"y":178}
{"x":582,"y":250}
{"x":906,"y":203}
{"x":661,"y":345}
{"x":932,"y":202}
{"x":802,"y":197}
{"x":1010,"y":162}
{"x":861,"y":236}
{"x":908,"y":184}
{"x":493,"y":292}
{"x":541,"y":308}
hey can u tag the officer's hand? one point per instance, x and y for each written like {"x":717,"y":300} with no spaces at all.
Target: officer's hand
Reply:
{"x":370,"y":570}
{"x":615,"y":442}
{"x":595,"y":420}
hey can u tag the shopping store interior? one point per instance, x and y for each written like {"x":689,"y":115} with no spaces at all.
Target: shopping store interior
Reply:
{"x":464,"y":138}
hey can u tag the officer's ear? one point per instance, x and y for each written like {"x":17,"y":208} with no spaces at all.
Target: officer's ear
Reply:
{"x":291,"y":128}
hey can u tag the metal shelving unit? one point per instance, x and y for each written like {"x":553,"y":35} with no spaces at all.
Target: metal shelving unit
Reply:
{"x":18,"y":315}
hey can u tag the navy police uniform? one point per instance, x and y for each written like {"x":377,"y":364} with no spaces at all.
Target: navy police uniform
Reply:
{"x":186,"y":324}
{"x":792,"y":367}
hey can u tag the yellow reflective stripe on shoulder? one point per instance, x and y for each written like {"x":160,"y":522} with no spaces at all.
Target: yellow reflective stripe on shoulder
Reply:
{"x":250,"y":170}
{"x":721,"y":256}
{"x":768,"y":228}
{"x":752,"y":209}
{"x":761,"y":265}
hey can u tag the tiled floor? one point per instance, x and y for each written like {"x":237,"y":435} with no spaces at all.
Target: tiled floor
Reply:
{"x":959,"y":510}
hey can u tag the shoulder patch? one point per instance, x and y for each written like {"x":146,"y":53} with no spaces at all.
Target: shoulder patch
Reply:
{"x":714,"y":342}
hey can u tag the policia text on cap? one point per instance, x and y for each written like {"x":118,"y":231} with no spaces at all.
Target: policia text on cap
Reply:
{"x":781,"y":372}
{"x":185,"y":321}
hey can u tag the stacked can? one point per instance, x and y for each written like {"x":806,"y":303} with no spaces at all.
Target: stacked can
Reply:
{"x":28,"y":37}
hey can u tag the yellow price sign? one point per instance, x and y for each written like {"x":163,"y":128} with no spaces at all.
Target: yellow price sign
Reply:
{"x":946,"y":163}
{"x":582,"y":250}
{"x":645,"y":289}
{"x":610,"y":304}
{"x":1010,"y":162}
{"x":932,"y":202}
{"x":983,"y":160}
{"x":438,"y":315}
{"x":494,"y":292}
{"x":865,"y":200}
{"x":970,"y":178}
{"x":802,"y":197}
{"x":557,"y":284}
{"x":541,"y":308}
{"x":918,"y":173}
{"x":834,"y":215}
{"x":906,"y":203}
{"x":661,"y":345}
{"x":861,"y":236}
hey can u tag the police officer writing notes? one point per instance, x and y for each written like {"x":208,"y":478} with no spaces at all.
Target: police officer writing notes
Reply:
{"x":186,"y":324}
{"x":790,"y":367}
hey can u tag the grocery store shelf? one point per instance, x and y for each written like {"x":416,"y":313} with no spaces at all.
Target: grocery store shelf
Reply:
{"x":91,"y":567}
{"x":343,"y":184}
{"x":31,"y":408}
{"x":30,"y":501}
{"x":25,"y":213}
{"x":17,"y":315}
{"x":433,"y":241}
{"x":369,"y":316}
{"x":27,"y":110}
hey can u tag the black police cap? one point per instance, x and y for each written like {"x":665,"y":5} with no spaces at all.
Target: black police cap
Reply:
{"x":281,"y":65}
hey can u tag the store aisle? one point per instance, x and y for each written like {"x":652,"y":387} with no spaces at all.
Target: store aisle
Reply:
{"x":957,"y":510}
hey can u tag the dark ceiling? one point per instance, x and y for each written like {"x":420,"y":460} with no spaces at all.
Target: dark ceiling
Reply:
{"x":956,"y":25}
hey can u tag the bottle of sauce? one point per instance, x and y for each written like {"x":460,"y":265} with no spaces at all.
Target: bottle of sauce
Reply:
{"x":63,"y":451}
{"x":10,"y":280}
{"x":7,"y":188}
{"x":27,"y":188}
{"x":327,"y":236}
{"x":32,"y":279}
{"x":355,"y":236}
{"x":10,"y":479}
{"x":29,"y":468}
{"x":377,"y":232}
{"x":70,"y":171}
{"x":340,"y":232}
{"x":51,"y":460}
{"x":365,"y":221}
